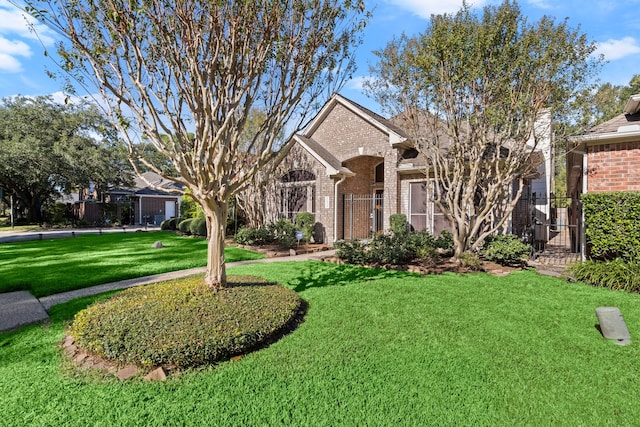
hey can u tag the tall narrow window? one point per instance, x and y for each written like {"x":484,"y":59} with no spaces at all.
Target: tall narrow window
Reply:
{"x":418,"y":205}
{"x":297,"y":193}
{"x":379,"y":173}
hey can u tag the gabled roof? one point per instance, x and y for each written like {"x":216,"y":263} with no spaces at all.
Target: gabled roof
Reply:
{"x":625,"y":126}
{"x":328,"y":160}
{"x":396,"y":134}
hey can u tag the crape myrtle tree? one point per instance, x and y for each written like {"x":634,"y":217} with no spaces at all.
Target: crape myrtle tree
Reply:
{"x":469,"y":90}
{"x":48,"y":149}
{"x":186,"y":66}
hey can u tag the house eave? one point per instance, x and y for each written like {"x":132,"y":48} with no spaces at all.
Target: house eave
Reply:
{"x":408,"y":169}
{"x":331,"y":170}
{"x":609,"y":137}
{"x":633,"y":105}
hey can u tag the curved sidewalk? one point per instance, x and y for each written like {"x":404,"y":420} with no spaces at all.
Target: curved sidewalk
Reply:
{"x":20,"y":308}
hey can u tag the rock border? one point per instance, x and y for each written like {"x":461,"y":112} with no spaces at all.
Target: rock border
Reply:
{"x":86,"y":360}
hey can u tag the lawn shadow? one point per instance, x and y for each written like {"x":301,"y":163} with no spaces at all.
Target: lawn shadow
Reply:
{"x":320,"y":275}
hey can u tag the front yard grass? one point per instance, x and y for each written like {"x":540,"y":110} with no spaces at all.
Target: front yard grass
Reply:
{"x":377,"y":348}
{"x":52,"y":266}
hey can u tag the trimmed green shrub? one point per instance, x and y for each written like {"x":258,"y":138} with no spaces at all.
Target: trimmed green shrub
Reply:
{"x":390,"y":249}
{"x":170,"y":224}
{"x":445,"y":241}
{"x":284,"y":232}
{"x":506,"y":249}
{"x":394,"y":249}
{"x":611,"y":224}
{"x":198,"y":226}
{"x":616,"y":274}
{"x":254,"y":236}
{"x":185,"y":226}
{"x":183,"y":323}
{"x":352,"y":252}
{"x":399,"y":224}
{"x":304,"y":222}
{"x":471,"y":261}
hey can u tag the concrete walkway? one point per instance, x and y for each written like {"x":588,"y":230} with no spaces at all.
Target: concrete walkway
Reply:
{"x":20,"y":308}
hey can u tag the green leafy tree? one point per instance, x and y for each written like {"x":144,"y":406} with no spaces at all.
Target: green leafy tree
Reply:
{"x":188,"y":66}
{"x":470,"y":90}
{"x":48,"y":149}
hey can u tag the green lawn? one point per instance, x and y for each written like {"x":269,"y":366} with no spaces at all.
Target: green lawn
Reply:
{"x":376,"y":348}
{"x":58,"y":265}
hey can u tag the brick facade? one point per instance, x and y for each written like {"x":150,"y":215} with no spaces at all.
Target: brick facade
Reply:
{"x":345,"y":144}
{"x":613,"y":167}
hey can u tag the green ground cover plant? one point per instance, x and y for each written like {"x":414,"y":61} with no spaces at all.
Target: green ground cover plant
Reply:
{"x":182,"y":323}
{"x":377,"y":347}
{"x":52,"y":266}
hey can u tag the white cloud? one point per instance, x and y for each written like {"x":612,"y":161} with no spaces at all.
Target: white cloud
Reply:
{"x":426,"y":8}
{"x":9,"y":64}
{"x":16,"y":48}
{"x":17,"y":37}
{"x":357,"y":83}
{"x":541,"y":4}
{"x":17,"y":23}
{"x":616,"y":49}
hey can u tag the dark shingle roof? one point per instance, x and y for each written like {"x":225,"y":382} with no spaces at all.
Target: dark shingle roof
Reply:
{"x":612,"y":125}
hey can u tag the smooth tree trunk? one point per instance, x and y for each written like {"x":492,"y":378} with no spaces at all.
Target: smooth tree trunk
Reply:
{"x":216,"y":219}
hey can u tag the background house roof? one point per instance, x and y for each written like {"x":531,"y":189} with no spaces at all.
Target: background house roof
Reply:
{"x":141,"y":187}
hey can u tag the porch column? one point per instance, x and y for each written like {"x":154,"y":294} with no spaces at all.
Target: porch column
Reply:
{"x":391,"y":187}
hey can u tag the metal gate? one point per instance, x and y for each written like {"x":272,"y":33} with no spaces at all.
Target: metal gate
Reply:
{"x":362,"y":215}
{"x":552,"y":226}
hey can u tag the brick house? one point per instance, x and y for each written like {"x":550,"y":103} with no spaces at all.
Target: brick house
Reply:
{"x":140,"y":204}
{"x":359,"y":169}
{"x":607,"y":158}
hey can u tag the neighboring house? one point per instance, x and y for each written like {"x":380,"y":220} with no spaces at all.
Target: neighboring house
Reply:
{"x":140,"y":204}
{"x":607,"y":158}
{"x":362,"y":168}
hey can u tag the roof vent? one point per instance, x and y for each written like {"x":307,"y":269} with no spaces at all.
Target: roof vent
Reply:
{"x":629,"y":128}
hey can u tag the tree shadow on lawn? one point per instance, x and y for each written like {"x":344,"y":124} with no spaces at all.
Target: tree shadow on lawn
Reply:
{"x":319,"y":275}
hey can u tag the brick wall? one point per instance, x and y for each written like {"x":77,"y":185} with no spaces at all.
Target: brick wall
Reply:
{"x":613,"y":167}
{"x":346,"y":135}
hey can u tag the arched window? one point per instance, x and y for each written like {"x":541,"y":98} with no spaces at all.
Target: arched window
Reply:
{"x":298,"y":176}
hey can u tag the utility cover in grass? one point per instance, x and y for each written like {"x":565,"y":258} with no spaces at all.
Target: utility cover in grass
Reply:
{"x":182,"y":323}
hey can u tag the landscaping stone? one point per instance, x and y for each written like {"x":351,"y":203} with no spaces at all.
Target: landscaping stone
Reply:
{"x":158,"y":245}
{"x":127,"y":372}
{"x":156,"y":375}
{"x":292,"y":252}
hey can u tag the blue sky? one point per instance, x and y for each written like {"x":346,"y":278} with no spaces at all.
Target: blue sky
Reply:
{"x":613,"y":25}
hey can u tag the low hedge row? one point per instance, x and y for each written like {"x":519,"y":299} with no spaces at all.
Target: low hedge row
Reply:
{"x":193,"y":226}
{"x":184,"y":324}
{"x":282,"y":232}
{"x":611,"y":224}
